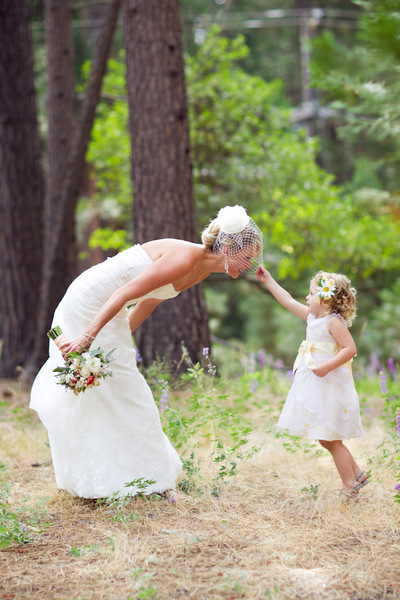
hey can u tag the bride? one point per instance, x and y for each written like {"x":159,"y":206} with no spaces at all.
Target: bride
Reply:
{"x":111,"y":435}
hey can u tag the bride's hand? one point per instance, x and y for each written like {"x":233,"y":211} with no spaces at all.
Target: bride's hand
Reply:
{"x":79,"y":344}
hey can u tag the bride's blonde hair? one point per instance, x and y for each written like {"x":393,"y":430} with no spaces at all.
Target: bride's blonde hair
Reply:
{"x":210,"y":234}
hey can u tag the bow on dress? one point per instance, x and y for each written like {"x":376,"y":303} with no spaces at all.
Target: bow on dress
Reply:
{"x":307,"y":348}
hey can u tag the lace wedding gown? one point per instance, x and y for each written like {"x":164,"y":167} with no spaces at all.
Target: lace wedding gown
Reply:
{"x":109,"y":435}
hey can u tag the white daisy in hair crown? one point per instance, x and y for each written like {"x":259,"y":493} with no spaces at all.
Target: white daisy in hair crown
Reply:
{"x":233,"y":219}
{"x":326,"y":288}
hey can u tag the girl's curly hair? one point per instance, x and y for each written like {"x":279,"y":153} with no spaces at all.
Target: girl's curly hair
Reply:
{"x":344,"y":300}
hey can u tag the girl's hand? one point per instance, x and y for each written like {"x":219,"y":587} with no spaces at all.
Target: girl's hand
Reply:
{"x":262,"y":274}
{"x":321,"y":370}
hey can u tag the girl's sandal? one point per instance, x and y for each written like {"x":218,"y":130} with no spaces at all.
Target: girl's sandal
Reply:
{"x":354,"y":493}
{"x":361,"y":484}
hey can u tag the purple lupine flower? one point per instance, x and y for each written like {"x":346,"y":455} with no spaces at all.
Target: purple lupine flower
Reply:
{"x":290,"y":375}
{"x":398,"y":422}
{"x":138,"y":356}
{"x":254,"y":385}
{"x":164,"y":395}
{"x":374,"y":366}
{"x":392,"y":368}
{"x":261,"y":359}
{"x":279,"y":363}
{"x":206,"y":351}
{"x":252,"y":362}
{"x":382,"y":383}
{"x":397,"y":487}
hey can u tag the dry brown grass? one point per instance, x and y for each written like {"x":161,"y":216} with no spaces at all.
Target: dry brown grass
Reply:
{"x":263,"y":538}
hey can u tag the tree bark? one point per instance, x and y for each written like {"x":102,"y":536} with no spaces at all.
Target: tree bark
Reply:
{"x":61,"y":127}
{"x":21,"y":189}
{"x":71,"y":184}
{"x":161,"y":165}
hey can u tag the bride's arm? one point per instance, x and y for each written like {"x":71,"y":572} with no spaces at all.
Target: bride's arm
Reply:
{"x":170,"y":267}
{"x":141,"y":311}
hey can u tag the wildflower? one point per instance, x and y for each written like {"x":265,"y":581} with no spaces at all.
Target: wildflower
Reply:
{"x":164,"y":395}
{"x":392,"y":368}
{"x":397,"y":487}
{"x":211,"y":369}
{"x":374,"y":366}
{"x":206,"y":351}
{"x":382,"y":383}
{"x":261,"y":359}
{"x":252,"y":362}
{"x":398,"y":422}
{"x":254,"y":385}
{"x":138,"y":356}
{"x":289,"y":375}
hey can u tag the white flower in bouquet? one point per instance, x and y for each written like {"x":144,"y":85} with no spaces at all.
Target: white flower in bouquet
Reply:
{"x":85,"y":371}
{"x":93,"y":363}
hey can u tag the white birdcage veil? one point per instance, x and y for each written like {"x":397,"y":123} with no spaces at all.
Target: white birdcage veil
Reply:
{"x":239,"y":242}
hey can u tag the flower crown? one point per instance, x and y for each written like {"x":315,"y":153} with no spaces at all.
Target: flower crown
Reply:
{"x":326,"y":288}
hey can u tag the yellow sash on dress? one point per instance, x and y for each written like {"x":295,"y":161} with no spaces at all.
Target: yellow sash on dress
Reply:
{"x":306,"y":349}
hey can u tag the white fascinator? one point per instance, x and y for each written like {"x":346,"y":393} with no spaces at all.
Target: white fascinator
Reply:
{"x":233,"y":219}
{"x":240,"y":241}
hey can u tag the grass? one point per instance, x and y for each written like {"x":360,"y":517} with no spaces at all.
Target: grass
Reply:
{"x":277,"y":530}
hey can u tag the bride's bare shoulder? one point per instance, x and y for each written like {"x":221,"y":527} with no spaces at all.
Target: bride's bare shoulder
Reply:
{"x":171,"y":247}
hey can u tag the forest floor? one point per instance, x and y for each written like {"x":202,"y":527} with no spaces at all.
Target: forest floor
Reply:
{"x":280,"y":530}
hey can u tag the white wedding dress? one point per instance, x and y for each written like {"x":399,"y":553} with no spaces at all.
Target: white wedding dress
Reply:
{"x":109,"y":435}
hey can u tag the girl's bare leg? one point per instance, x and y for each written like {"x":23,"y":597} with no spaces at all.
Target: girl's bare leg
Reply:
{"x":345,"y":463}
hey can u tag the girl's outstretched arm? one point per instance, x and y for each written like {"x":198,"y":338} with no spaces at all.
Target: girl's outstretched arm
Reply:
{"x":347,"y":348}
{"x":283,"y":297}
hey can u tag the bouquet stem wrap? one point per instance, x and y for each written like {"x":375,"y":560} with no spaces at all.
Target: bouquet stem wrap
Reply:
{"x":57,"y":336}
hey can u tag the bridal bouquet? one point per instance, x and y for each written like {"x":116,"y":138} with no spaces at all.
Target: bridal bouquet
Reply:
{"x":81,"y":371}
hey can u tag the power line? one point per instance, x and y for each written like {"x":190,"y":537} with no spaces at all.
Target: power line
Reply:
{"x":317,"y":17}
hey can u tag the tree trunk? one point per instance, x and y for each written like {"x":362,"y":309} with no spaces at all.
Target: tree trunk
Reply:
{"x":161,"y":165}
{"x":71,"y":184}
{"x":61,"y":127}
{"x":21,"y":189}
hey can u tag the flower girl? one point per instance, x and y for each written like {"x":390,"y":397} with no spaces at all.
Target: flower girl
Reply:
{"x":322,"y":402}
